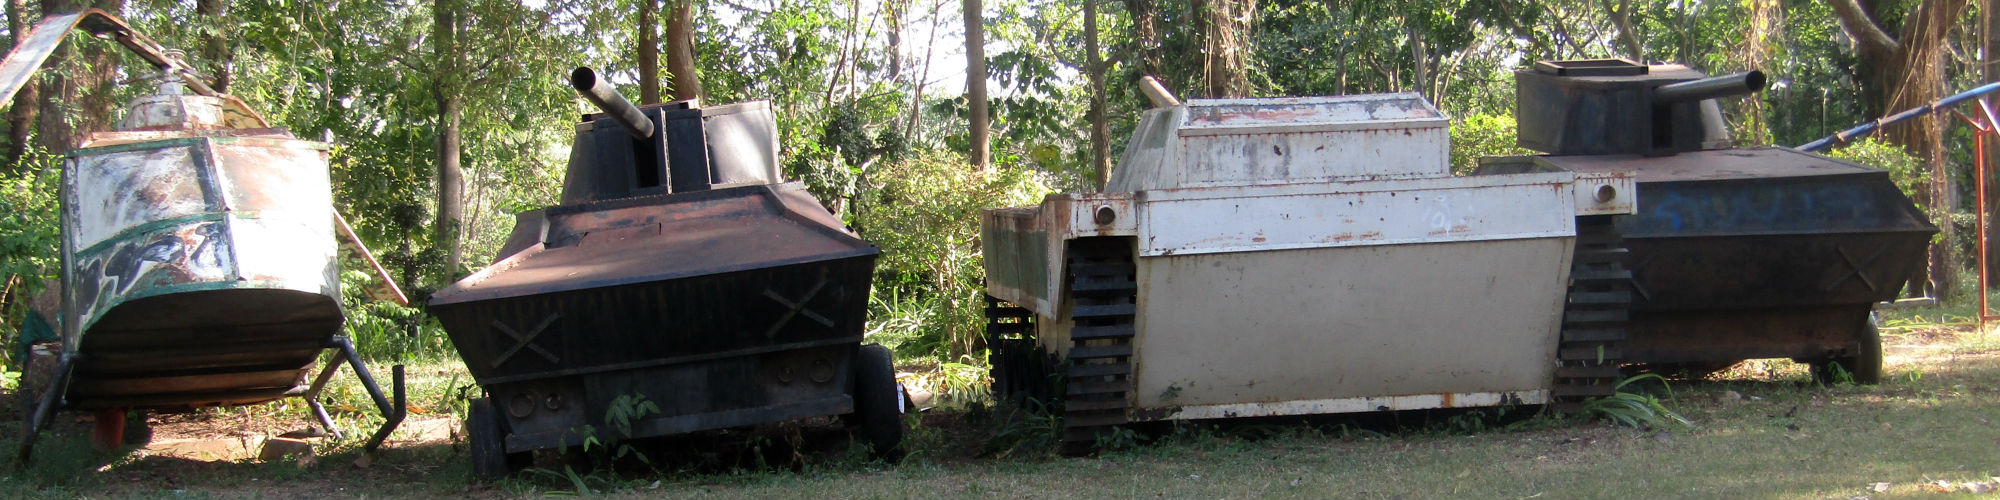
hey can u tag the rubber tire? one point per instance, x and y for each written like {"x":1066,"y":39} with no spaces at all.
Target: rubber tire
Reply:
{"x":1864,"y":365}
{"x":878,"y":400}
{"x":486,"y":436}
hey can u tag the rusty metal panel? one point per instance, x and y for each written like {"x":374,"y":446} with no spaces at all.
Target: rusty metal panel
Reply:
{"x":642,"y":280}
{"x":1346,"y":322}
{"x":1383,"y":212}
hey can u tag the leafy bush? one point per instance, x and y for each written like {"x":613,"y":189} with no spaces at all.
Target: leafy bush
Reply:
{"x":1482,"y":135}
{"x":30,"y":241}
{"x":924,"y":214}
{"x":1906,"y":170}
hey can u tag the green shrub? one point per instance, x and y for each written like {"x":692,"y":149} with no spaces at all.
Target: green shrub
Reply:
{"x":923,"y":212}
{"x":1482,"y":135}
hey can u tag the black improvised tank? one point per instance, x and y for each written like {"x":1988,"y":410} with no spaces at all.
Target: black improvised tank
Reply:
{"x":679,"y":270}
{"x":1733,"y":253}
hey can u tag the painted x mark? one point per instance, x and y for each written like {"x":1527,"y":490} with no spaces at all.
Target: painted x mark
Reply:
{"x":798,"y":308}
{"x":525,"y":341}
{"x":1857,"y":265}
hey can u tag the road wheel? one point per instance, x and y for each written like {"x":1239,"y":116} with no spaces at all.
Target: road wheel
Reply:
{"x":878,"y":400}
{"x":487,"y":436}
{"x":1864,"y":364}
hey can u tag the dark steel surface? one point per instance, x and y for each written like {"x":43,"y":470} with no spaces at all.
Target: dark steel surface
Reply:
{"x":602,"y":94}
{"x":1711,"y":88}
{"x":678,"y":271}
{"x":1759,"y":253}
{"x":1595,"y":115}
{"x":1739,"y":334}
{"x":694,"y":149}
{"x":650,"y":239}
{"x":169,"y":347}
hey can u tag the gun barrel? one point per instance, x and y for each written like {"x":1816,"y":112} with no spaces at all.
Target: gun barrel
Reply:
{"x":1710,"y":88}
{"x":598,"y":92}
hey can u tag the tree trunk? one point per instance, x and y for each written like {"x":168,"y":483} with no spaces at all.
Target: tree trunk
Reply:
{"x":1621,"y":18}
{"x":647,"y":50}
{"x":924,"y":75}
{"x":21,"y":117}
{"x":975,"y":83}
{"x":910,"y":130}
{"x":1765,"y":24}
{"x":1146,"y":35}
{"x":77,"y":91}
{"x":1420,"y":61}
{"x":1225,"y":42}
{"x":445,"y":88}
{"x":1100,"y":129}
{"x":680,"y":51}
{"x":893,"y":12}
{"x":1906,"y":71}
{"x":215,"y":43}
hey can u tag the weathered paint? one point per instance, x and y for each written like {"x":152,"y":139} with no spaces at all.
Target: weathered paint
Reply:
{"x":1344,"y":214}
{"x":1345,"y":322}
{"x":197,"y":213}
{"x":1237,"y":142}
{"x":1345,"y":405}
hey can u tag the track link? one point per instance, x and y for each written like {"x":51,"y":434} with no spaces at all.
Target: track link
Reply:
{"x":1594,"y":315}
{"x":1011,"y":349}
{"x":1104,"y":295}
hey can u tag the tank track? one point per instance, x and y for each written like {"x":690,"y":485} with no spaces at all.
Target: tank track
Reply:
{"x":1019,"y":375}
{"x":1594,"y":315}
{"x":1102,"y":283}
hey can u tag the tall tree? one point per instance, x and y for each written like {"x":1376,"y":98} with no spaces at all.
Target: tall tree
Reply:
{"x":1225,"y":46}
{"x":21,"y":117}
{"x":1146,"y":36}
{"x":647,"y":50}
{"x":680,"y":51}
{"x":215,"y":42}
{"x":975,"y":83}
{"x":448,"y":89}
{"x":1100,"y":130}
{"x":77,"y":91}
{"x":1903,"y":71}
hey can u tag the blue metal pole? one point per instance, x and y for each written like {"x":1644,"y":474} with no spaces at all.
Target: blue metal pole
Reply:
{"x":1870,"y":127}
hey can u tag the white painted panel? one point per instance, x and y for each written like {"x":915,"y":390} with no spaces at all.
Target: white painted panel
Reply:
{"x":1352,"y":322}
{"x":1357,"y":405}
{"x":113,"y":192}
{"x":1384,"y":212}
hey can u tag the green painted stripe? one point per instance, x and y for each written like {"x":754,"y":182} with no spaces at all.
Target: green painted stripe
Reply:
{"x":140,"y":232}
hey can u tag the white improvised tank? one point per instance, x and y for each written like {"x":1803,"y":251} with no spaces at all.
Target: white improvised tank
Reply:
{"x":1298,"y":256}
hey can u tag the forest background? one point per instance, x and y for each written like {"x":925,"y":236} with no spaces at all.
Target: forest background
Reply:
{"x":906,"y":117}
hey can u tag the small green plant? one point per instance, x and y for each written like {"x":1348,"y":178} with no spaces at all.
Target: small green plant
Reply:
{"x":1634,"y":409}
{"x":623,"y":412}
{"x":1023,"y":432}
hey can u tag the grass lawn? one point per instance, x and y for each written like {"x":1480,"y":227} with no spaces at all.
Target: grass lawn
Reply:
{"x":1760,"y":430}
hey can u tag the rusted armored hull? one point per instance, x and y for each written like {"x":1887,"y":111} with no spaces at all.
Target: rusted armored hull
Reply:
{"x":723,"y":307}
{"x":201,"y":269}
{"x":1759,"y":253}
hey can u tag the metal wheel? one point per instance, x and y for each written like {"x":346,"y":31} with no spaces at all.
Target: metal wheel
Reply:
{"x":878,"y":400}
{"x":1864,"y":364}
{"x":487,"y":436}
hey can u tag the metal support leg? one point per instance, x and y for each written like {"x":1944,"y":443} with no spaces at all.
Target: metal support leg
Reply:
{"x":391,"y":415}
{"x":391,"y":419}
{"x":312,"y":396}
{"x":44,"y":410}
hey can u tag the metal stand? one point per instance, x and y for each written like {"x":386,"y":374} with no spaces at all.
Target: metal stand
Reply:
{"x":44,"y":409}
{"x":392,"y":414}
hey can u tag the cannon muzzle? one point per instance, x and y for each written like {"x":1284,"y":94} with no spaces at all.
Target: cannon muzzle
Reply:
{"x":1710,"y":88}
{"x":598,"y":92}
